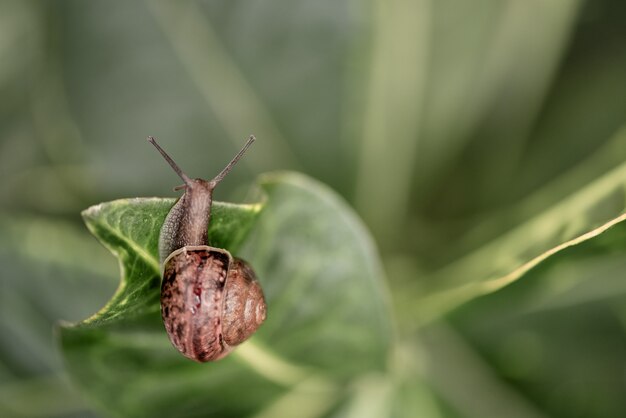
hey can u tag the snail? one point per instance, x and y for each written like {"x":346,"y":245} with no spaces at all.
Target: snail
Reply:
{"x":210,"y":300}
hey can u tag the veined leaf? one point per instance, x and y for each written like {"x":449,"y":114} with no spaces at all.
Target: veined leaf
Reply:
{"x":328,"y":320}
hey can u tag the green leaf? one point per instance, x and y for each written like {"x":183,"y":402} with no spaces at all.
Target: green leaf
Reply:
{"x":582,"y":216}
{"x":570,"y":307}
{"x":328,"y":320}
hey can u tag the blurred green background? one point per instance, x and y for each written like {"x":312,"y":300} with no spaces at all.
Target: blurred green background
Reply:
{"x":443,"y":123}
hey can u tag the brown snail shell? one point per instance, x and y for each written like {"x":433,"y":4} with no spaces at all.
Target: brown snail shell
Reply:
{"x":210,"y":302}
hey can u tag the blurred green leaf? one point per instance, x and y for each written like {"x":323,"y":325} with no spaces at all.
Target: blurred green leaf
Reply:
{"x":37,"y":282}
{"x":465,"y":381}
{"x":580,"y":217}
{"x":227,"y":92}
{"x":558,"y":334}
{"x":41,"y":397}
{"x":328,"y":319}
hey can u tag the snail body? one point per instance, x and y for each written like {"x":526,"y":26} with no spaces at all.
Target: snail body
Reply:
{"x":210,"y":300}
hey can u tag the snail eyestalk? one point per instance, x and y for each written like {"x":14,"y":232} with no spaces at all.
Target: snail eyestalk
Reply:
{"x":232,"y":162}
{"x":171,"y":162}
